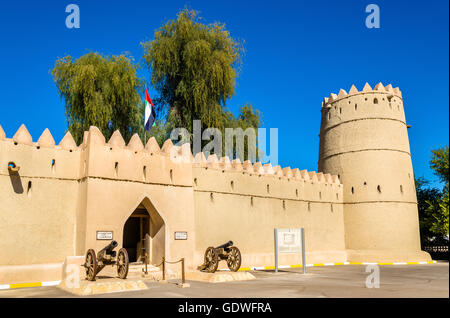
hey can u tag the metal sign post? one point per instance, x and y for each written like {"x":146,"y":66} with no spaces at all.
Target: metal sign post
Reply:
{"x":303,"y":251}
{"x":275,"y":233}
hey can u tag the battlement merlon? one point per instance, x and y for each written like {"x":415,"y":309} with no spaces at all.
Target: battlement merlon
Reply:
{"x":367,"y":89}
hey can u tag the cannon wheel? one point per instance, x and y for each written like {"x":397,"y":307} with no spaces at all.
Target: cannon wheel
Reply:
{"x":91,"y":265}
{"x":234,"y":259}
{"x":211,"y":259}
{"x":122,"y":263}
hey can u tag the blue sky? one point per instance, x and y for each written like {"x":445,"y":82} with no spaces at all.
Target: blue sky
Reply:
{"x":297,"y":52}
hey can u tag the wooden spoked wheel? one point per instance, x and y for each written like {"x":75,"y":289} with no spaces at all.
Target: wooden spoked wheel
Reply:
{"x":234,"y":259}
{"x":91,"y":265}
{"x":122,"y":263}
{"x":211,"y":260}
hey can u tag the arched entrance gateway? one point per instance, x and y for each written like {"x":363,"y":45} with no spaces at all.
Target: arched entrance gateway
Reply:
{"x":144,"y":222}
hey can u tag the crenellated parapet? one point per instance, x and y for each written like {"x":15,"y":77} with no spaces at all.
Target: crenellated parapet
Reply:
{"x":388,"y":90}
{"x":41,"y":158}
{"x":96,"y":158}
{"x":355,"y":118}
{"x":379,"y":103}
{"x":256,"y":180}
{"x":248,"y":168}
{"x":116,"y":160}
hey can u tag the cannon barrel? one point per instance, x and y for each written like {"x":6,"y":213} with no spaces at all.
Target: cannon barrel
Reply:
{"x":226,"y":245}
{"x":108,"y":250}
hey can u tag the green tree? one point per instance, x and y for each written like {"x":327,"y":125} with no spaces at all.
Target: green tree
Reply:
{"x":440,"y":164}
{"x":425,"y":194}
{"x":438,"y":210}
{"x":432,"y":202}
{"x":193,"y":69}
{"x":101,"y":91}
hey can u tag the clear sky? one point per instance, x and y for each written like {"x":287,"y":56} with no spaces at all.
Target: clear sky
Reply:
{"x":297,"y":52}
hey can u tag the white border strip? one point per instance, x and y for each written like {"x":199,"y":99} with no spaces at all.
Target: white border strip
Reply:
{"x":255,"y":268}
{"x":29,"y":285}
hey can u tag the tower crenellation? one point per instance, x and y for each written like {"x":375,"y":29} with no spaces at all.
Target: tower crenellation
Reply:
{"x":379,"y":102}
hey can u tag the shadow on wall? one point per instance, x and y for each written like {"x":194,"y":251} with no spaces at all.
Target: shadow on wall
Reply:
{"x":16,"y":182}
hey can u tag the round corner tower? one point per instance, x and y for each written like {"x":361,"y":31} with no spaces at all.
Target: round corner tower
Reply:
{"x":364,"y":140}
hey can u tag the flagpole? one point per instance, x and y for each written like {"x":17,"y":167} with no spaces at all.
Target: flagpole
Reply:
{"x":145,"y":130}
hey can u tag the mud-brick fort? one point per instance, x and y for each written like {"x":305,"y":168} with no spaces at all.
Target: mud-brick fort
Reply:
{"x":359,"y":207}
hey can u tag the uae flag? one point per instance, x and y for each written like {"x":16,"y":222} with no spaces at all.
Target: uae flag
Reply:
{"x":149,"y":121}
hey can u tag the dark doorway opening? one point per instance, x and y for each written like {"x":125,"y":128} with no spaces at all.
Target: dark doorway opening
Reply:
{"x":134,"y":231}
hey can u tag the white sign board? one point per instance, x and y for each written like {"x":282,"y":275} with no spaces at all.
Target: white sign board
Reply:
{"x":104,"y":235}
{"x":180,"y":235}
{"x":289,"y":241}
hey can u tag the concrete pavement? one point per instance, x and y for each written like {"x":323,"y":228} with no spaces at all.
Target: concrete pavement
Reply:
{"x":335,"y":281}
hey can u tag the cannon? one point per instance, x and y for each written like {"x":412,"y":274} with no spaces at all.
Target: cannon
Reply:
{"x":226,"y":252}
{"x":107,"y":256}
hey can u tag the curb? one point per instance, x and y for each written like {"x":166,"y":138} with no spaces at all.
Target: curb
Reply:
{"x":243,"y":269}
{"x":24,"y":285}
{"x":329,"y":264}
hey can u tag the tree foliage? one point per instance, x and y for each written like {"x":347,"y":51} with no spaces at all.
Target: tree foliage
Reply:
{"x":433,"y":203}
{"x":425,"y":195}
{"x":194,"y":68}
{"x":440,"y":164}
{"x":101,"y":91}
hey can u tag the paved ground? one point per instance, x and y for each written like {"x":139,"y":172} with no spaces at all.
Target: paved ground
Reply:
{"x":335,"y":281}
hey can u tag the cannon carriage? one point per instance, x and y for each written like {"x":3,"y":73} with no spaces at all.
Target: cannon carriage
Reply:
{"x":107,"y":256}
{"x":227,"y":252}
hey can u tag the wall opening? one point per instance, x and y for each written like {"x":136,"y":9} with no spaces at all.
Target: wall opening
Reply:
{"x":29,"y":188}
{"x":171,"y":175}
{"x":268,"y":189}
{"x":144,"y":232}
{"x":144,"y":173}
{"x":353,"y":190}
{"x":232,"y":185}
{"x":379,"y":189}
{"x":116,"y":169}
{"x":375,"y":101}
{"x":53,"y":165}
{"x":309,"y":206}
{"x":401,"y":189}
